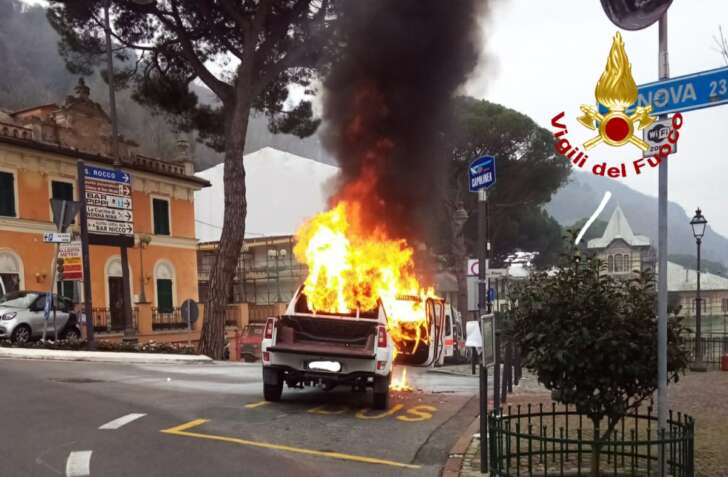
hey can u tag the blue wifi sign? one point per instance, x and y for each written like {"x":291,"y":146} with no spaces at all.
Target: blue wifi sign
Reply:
{"x":481,"y":173}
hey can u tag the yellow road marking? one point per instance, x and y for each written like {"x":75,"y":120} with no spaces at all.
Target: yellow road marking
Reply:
{"x":421,"y":412}
{"x":365,"y":414}
{"x":253,"y":405}
{"x":181,"y":430}
{"x":329,"y":409}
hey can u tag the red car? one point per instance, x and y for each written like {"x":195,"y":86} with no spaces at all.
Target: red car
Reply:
{"x":249,"y":342}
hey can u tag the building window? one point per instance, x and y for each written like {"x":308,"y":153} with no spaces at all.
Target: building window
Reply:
{"x":618,"y":263}
{"x":610,"y":263}
{"x":67,"y":289}
{"x":627,"y":265}
{"x":160,"y":212}
{"x":704,"y":304}
{"x":724,"y":305}
{"x":7,"y":194}
{"x":10,"y":272}
{"x":61,"y":190}
{"x":165,"y":302}
{"x":164,"y":284}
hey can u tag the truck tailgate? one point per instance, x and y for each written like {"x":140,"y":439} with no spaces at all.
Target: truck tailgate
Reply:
{"x":323,"y":349}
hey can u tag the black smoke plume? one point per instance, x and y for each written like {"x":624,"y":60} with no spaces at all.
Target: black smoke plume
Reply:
{"x":387,"y":100}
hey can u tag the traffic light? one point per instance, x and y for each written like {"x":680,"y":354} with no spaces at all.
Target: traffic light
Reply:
{"x":59,"y":268}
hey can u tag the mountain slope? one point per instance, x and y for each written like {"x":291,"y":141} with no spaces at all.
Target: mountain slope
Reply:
{"x":581,"y":196}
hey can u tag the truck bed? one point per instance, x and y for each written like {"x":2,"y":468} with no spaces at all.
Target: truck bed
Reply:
{"x":322,"y":336}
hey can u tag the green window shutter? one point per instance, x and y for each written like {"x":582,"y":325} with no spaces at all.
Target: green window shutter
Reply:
{"x":164,"y":295}
{"x":161,"y":216}
{"x":7,"y":194}
{"x":62,"y":190}
{"x":66,"y":289}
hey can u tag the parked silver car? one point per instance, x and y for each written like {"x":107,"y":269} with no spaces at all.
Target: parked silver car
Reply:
{"x":22,"y":313}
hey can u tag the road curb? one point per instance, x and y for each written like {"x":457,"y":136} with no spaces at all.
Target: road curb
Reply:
{"x":102,"y":356}
{"x":457,"y":452}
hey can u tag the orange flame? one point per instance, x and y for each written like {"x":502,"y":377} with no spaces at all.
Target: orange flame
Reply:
{"x":353,"y":266}
{"x":401,"y":384}
{"x":616,"y":88}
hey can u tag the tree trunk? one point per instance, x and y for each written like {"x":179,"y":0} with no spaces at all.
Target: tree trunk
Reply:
{"x":212,"y":339}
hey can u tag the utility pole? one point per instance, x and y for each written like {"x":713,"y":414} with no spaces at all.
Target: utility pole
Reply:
{"x":662,"y":404}
{"x":129,"y":332}
{"x":482,"y":296}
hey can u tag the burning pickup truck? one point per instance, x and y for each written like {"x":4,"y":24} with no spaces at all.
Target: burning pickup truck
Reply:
{"x":304,"y":347}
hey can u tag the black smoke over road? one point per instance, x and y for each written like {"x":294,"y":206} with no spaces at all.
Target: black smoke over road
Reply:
{"x":387,"y":101}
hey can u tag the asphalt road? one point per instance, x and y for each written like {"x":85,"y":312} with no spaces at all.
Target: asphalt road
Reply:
{"x":210,"y":420}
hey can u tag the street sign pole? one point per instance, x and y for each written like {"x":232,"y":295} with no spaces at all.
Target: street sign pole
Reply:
{"x":482,"y":176}
{"x":482,"y":260}
{"x":85,"y":258}
{"x":662,"y":404}
{"x":54,"y":266}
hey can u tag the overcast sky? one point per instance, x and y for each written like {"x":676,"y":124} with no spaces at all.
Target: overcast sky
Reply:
{"x":544,"y":57}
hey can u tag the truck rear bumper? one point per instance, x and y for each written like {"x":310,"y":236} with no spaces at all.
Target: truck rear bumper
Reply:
{"x":275,"y":375}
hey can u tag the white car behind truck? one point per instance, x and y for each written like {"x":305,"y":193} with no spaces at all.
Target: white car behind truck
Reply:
{"x":325,"y":349}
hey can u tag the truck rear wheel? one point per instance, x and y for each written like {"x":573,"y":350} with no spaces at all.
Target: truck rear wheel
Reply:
{"x":272,"y":384}
{"x":381,"y":391}
{"x":272,"y":392}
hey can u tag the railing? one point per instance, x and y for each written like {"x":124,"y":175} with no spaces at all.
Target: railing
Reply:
{"x":557,"y":440}
{"x":157,"y":165}
{"x":232,"y":315}
{"x":714,"y":346}
{"x":106,"y":320}
{"x":167,"y":320}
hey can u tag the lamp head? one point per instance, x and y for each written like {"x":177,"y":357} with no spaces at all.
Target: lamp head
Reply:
{"x":698,"y":223}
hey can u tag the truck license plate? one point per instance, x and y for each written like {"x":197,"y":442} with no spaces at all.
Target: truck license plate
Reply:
{"x":330,"y":366}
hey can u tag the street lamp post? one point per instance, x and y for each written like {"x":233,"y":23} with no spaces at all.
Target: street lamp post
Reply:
{"x":130,"y":334}
{"x":698,"y":224}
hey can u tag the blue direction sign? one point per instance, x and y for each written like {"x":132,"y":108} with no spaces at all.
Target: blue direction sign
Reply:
{"x":112,"y":175}
{"x":683,"y":93}
{"x":482,"y":173}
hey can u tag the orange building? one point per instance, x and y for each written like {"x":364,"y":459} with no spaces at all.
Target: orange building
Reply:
{"x":39,"y":150}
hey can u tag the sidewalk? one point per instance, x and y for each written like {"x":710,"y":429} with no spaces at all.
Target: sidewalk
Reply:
{"x":704,"y":396}
{"x":102,"y":356}
{"x":528,"y":390}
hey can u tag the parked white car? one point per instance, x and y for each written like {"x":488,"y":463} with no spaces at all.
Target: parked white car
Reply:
{"x":22,"y":317}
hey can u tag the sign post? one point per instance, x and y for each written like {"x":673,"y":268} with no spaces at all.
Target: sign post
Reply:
{"x":481,"y":177}
{"x":85,"y":257}
{"x":108,"y":220}
{"x":190,"y":313}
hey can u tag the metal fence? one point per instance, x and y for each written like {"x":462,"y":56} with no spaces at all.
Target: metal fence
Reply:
{"x":167,"y":320}
{"x":714,"y":346}
{"x":106,"y":320}
{"x":558,"y":441}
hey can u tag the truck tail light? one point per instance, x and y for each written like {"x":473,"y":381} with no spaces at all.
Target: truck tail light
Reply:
{"x":266,"y":356}
{"x":381,"y":337}
{"x":269,"y":325}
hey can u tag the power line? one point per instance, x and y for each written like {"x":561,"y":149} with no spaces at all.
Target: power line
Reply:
{"x":220,"y":228}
